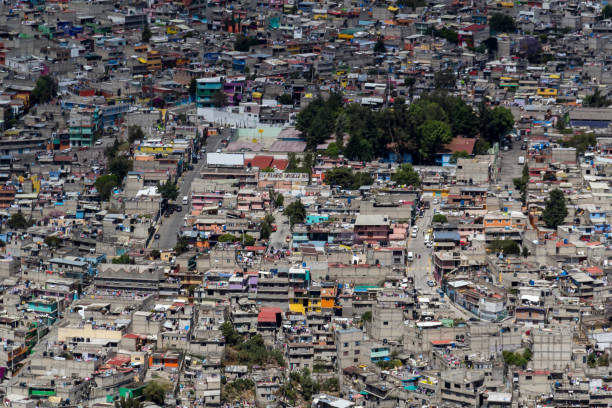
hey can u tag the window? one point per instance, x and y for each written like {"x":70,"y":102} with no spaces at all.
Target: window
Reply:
{"x":385,"y":323}
{"x":345,"y":353}
{"x":528,"y":377}
{"x":345,"y":344}
{"x":357,"y":352}
{"x":357,"y":343}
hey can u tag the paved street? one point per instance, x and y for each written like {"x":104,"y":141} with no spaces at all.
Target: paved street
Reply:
{"x":420,"y":269}
{"x":277,"y":239}
{"x":171,"y":225}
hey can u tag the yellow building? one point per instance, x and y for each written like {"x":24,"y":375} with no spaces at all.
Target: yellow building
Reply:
{"x":547,"y":92}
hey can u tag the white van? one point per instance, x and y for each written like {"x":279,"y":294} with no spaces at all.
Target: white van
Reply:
{"x":185,"y":200}
{"x":410,"y":257}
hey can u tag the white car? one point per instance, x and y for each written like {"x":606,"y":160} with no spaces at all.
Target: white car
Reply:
{"x":431,"y":283}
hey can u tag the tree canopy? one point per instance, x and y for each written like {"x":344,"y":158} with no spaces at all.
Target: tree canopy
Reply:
{"x":135,"y":133}
{"x":406,"y":175}
{"x":146,"y":34}
{"x":296,"y":212}
{"x":18,"y":221}
{"x":45,"y":89}
{"x":105,"y":185}
{"x":379,"y":47}
{"x":346,"y":178}
{"x":596,"y":100}
{"x":555,"y":209}
{"x":168,"y":190}
{"x":502,"y":23}
{"x":607,"y":11}
{"x":243,"y":43}
{"x":374,"y":133}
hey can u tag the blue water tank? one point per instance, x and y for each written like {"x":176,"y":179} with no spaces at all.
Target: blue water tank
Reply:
{"x":531,"y":283}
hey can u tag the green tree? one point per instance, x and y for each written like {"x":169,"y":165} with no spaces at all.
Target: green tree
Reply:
{"x":581,"y":142}
{"x":227,"y":238}
{"x":445,"y":79}
{"x":219,"y":99}
{"x":265,"y":229}
{"x":332,"y":150}
{"x":366,"y":316}
{"x":155,"y":391}
{"x":123,"y":260}
{"x":232,"y":337}
{"x":448,"y":34}
{"x":607,"y":11}
{"x":507,"y":246}
{"x":279,"y":200}
{"x":296,"y":212}
{"x":285,"y":99}
{"x":481,"y":146}
{"x":17,"y":221}
{"x":105,"y":185}
{"x":434,"y":134}
{"x":495,"y":123}
{"x":155,"y":254}
{"x":128,"y":403}
{"x":462,"y":154}
{"x":491,"y":44}
{"x":52,"y":241}
{"x":193,"y":88}
{"x":120,"y":166}
{"x":247,"y":240}
{"x":555,"y":210}
{"x":517,"y":358}
{"x":412,"y":4}
{"x":406,"y":175}
{"x":168,"y":191}
{"x":244,"y":43}
{"x":146,"y":34}
{"x":182,"y":245}
{"x":379,"y":47}
{"x":346,"y":178}
{"x":596,"y":100}
{"x":502,"y":23}
{"x":135,"y":133}
{"x":441,"y":218}
{"x":45,"y":89}
{"x":521,"y":184}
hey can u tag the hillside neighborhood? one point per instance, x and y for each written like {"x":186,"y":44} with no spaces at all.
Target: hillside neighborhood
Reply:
{"x":332,"y":204}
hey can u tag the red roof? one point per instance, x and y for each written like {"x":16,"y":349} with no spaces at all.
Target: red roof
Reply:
{"x":460,"y":144}
{"x":63,"y":158}
{"x":118,"y":360}
{"x":261,"y":162}
{"x":280,"y":164}
{"x":474,"y":27}
{"x":441,"y":342}
{"x":255,"y":248}
{"x":268,"y":314}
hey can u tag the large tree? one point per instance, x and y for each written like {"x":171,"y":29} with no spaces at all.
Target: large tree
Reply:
{"x":168,"y":190}
{"x":296,"y":212}
{"x":105,"y":185}
{"x":406,"y":174}
{"x":45,"y":89}
{"x":434,"y":134}
{"x":502,"y":23}
{"x":495,"y":123}
{"x":555,"y":210}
